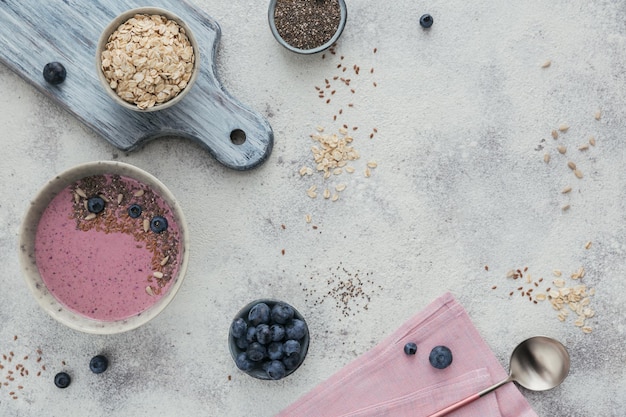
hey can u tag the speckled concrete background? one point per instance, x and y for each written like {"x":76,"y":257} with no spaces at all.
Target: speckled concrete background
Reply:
{"x":464,"y":114}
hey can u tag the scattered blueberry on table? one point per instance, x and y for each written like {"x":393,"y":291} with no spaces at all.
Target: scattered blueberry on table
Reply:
{"x":54,"y":73}
{"x":440,"y":357}
{"x":410,"y":348}
{"x":98,"y":364}
{"x":62,"y":380}
{"x":426,"y":21}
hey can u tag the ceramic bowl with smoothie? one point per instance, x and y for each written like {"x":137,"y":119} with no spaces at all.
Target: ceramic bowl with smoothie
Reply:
{"x":103,"y":247}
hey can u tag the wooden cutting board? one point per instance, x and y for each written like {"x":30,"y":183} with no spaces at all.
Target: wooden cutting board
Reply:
{"x":35,"y":32}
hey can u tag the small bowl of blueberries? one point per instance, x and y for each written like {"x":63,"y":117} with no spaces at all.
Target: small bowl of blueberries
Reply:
{"x":268,"y":339}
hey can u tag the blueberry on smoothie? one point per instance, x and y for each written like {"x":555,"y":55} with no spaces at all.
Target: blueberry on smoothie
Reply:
{"x":410,"y":348}
{"x":296,"y":329}
{"x":98,"y":364}
{"x":238,"y":328}
{"x":62,"y":380}
{"x":440,"y":357}
{"x":54,"y":73}
{"x":134,"y":211}
{"x":251,"y":334}
{"x":276,"y":370}
{"x":95,"y":205}
{"x":259,"y":313}
{"x":263,"y":335}
{"x":282,"y":313}
{"x":242,"y":343}
{"x":158,"y":224}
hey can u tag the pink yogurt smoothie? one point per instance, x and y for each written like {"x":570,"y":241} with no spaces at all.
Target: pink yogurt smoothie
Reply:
{"x":108,"y":266}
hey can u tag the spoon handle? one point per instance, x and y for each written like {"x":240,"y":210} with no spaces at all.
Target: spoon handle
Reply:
{"x":469,"y":399}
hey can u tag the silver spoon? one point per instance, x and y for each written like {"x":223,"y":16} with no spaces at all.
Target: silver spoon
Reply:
{"x":538,"y":364}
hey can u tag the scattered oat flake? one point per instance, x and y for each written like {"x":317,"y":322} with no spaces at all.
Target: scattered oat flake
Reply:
{"x":308,"y":218}
{"x":335,"y":197}
{"x":562,"y":149}
{"x":372,"y":164}
{"x":368,"y":173}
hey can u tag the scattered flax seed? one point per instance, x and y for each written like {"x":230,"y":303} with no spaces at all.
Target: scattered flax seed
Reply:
{"x":588,"y":245}
{"x":375,"y":50}
{"x":15,"y":337}
{"x":566,"y":190}
{"x":374,"y":83}
{"x":494,"y":287}
{"x":562,"y":149}
{"x":578,"y":173}
{"x":571,"y":165}
{"x":546,"y":64}
{"x":592,"y":141}
{"x":564,"y":127}
{"x":546,"y":158}
{"x":555,"y":134}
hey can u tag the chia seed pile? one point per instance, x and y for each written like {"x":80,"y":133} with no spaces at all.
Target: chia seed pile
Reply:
{"x":307,"y":24}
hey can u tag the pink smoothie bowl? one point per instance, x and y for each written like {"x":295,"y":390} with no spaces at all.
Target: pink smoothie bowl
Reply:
{"x":104,"y":247}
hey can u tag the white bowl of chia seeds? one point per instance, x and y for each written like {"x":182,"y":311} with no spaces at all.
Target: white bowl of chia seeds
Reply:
{"x":307,"y":26}
{"x":104,"y":247}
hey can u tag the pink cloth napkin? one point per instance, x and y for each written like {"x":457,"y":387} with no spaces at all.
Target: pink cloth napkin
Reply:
{"x":387,"y":382}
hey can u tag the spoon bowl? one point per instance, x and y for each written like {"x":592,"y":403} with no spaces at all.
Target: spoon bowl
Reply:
{"x":538,"y":364}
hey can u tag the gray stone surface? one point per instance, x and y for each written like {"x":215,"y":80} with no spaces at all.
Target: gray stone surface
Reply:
{"x":464,"y":114}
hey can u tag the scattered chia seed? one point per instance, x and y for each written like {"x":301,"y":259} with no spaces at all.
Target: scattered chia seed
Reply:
{"x":307,"y":24}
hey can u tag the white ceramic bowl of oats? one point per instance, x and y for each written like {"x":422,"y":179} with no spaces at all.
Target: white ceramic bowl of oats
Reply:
{"x":147,"y":59}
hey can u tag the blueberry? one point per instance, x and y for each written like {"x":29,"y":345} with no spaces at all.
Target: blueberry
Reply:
{"x":263,"y":335}
{"x":238,"y":328}
{"x":276,"y":370}
{"x":95,"y":205}
{"x":158,"y":224}
{"x":62,"y":380}
{"x":134,"y":211}
{"x":275,"y":351}
{"x":259,"y":313}
{"x":98,"y":364}
{"x":426,"y":21}
{"x":291,"y":361}
{"x":251,"y":334}
{"x":256,"y":352}
{"x":296,"y":329}
{"x":277,"y":332}
{"x":54,"y":73}
{"x":290,"y":347}
{"x":410,"y":348}
{"x":243,"y":362}
{"x":440,"y":357}
{"x":282,"y":313}
{"x":242,"y":343}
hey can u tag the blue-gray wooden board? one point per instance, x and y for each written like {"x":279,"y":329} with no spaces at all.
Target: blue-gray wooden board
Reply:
{"x":35,"y":32}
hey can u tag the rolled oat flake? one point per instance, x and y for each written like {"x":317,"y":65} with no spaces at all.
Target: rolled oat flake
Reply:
{"x":307,"y":24}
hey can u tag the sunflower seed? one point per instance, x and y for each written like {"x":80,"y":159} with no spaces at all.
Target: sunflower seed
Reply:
{"x":157,"y":274}
{"x":564,"y":127}
{"x":149,"y":291}
{"x":588,"y":245}
{"x":120,"y":197}
{"x":80,"y":192}
{"x":165,"y":260}
{"x":546,"y":158}
{"x":555,"y":134}
{"x":90,"y":216}
{"x":571,"y":165}
{"x":583,"y":147}
{"x":138,"y":193}
{"x":146,"y":225}
{"x":592,"y":141}
{"x":565,"y":207}
{"x":598,"y":115}
{"x":566,"y":190}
